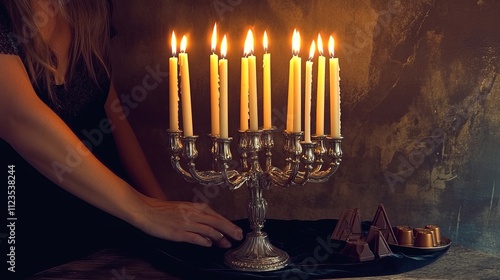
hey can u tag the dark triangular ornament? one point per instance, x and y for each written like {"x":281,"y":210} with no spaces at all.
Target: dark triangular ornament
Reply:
{"x":377,"y":243}
{"x":358,"y":251}
{"x":348,"y":226}
{"x":381,"y":221}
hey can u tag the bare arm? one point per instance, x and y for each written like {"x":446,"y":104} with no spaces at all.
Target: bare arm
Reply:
{"x":45,"y":141}
{"x":130,"y":150}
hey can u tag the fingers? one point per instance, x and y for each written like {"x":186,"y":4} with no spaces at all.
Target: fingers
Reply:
{"x":218,"y":222}
{"x":203,"y":220}
{"x":224,"y":243}
{"x":211,"y":234}
{"x":197,"y":239}
{"x":194,"y":223}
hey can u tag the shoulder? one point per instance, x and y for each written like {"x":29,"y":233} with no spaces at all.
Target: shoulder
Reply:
{"x":7,"y":38}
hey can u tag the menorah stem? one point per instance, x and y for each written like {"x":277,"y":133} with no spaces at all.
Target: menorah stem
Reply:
{"x":256,"y":253}
{"x":257,"y":207}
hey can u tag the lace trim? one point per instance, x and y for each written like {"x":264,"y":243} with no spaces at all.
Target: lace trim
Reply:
{"x":7,"y":38}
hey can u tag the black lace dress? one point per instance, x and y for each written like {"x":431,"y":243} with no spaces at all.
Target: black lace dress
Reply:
{"x":52,"y":225}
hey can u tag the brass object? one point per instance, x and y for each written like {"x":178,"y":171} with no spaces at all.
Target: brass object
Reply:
{"x":314,"y":161}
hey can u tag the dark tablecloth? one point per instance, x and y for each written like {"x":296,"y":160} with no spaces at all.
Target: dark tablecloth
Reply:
{"x":312,"y":255}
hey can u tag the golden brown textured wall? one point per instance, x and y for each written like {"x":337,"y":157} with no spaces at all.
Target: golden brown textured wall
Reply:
{"x":420,"y":93}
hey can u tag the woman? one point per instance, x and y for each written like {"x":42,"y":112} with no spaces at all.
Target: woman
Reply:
{"x":56,"y":120}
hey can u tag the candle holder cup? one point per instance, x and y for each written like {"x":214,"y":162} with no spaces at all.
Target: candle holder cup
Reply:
{"x":304,"y":162}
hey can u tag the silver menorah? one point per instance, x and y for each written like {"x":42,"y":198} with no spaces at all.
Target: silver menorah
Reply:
{"x":304,"y":162}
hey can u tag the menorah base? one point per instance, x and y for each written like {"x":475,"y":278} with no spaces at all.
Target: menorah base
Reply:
{"x":256,"y":254}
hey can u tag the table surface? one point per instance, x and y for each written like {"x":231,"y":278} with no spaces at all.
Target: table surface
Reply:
{"x":120,"y":264}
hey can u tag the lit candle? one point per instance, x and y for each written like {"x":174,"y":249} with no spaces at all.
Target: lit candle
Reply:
{"x":174,"y":88}
{"x":252,"y":83}
{"x":320,"y":98}
{"x":297,"y":88}
{"x":187,"y":118}
{"x":266,"y":65}
{"x":223,"y":91}
{"x":214,"y":86}
{"x":289,"y":110}
{"x":244,"y":91}
{"x":334,"y":91}
{"x":307,"y":100}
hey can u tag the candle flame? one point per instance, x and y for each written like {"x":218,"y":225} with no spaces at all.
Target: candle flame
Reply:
{"x":320,"y":45}
{"x":214,"y":38}
{"x":331,"y":46}
{"x":265,"y":41}
{"x":311,"y":50}
{"x":295,"y":42}
{"x":183,"y":43}
{"x":249,"y":43}
{"x":174,"y":44}
{"x":223,"y":47}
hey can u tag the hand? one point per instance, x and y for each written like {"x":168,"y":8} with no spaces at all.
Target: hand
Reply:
{"x":188,"y":222}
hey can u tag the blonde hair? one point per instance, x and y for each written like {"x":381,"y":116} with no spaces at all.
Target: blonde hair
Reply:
{"x":89,"y":22}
